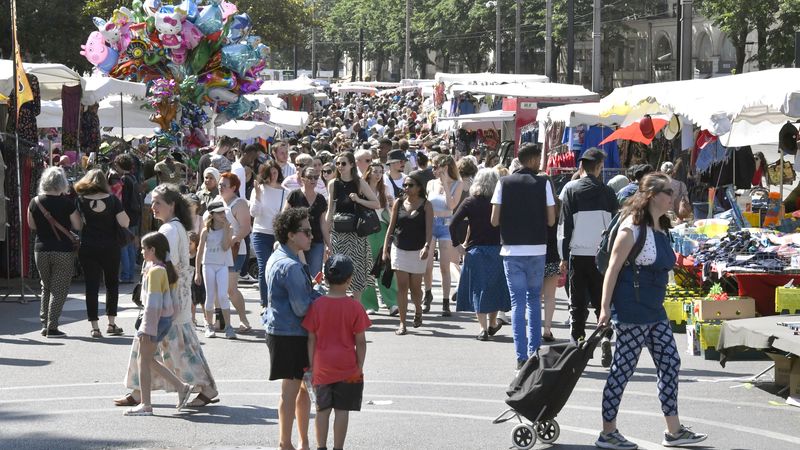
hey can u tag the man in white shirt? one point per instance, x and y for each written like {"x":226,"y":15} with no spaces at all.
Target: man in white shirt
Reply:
{"x":280,"y":153}
{"x":523,"y":208}
{"x":293,"y":182}
{"x":396,"y":160}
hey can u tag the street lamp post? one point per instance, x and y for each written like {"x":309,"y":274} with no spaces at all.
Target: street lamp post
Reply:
{"x":497,"y":36}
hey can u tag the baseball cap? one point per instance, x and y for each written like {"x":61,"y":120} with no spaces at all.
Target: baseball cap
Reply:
{"x":593,"y":154}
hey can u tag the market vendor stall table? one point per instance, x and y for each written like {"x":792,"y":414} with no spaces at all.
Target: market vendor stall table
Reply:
{"x":761,"y":286}
{"x":761,"y":333}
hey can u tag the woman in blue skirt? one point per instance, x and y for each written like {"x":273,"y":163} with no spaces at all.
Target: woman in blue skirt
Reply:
{"x":482,"y":288}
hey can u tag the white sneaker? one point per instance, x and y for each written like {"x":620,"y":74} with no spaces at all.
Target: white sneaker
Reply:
{"x":248,"y":279}
{"x":210,"y":333}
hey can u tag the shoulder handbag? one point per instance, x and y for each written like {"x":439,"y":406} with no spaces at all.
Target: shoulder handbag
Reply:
{"x":342,"y":222}
{"x":368,"y":221}
{"x":76,"y":242}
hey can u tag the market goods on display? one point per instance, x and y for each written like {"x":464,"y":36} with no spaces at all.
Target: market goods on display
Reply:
{"x":190,"y":55}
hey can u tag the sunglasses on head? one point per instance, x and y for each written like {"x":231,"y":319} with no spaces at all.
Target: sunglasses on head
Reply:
{"x":667,"y":191}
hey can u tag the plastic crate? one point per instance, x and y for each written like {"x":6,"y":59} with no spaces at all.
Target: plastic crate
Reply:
{"x":787,"y":300}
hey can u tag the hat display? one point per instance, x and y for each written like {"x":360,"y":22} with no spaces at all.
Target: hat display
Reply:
{"x":593,"y":154}
{"x":215,"y":207}
{"x":396,"y":156}
{"x":673,"y":127}
{"x":646,"y":127}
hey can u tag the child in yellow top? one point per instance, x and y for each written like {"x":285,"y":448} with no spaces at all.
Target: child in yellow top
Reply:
{"x":157,"y":284}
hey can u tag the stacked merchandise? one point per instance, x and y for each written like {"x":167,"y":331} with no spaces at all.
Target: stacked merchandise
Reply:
{"x":678,"y":305}
{"x":707,"y":315}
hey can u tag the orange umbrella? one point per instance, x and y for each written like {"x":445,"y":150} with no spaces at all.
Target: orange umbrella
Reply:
{"x":643,"y":130}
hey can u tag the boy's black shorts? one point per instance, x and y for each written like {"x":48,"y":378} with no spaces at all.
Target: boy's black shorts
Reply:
{"x":343,"y":395}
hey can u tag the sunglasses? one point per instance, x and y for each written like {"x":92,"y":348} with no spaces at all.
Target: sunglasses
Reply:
{"x":313,"y":179}
{"x":306,"y":231}
{"x":341,"y":163}
{"x":327,"y":171}
{"x":300,"y":166}
{"x":409,"y":185}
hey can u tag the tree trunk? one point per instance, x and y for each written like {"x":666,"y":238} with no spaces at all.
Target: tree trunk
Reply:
{"x":763,"y":55}
{"x":337,"y":55}
{"x":741,"y":44}
{"x":378,"y":68}
{"x":354,"y":69}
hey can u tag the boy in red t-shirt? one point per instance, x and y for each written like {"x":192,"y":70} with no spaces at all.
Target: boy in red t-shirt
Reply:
{"x":337,"y":346}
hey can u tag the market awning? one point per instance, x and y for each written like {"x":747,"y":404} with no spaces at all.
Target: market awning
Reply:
{"x":286,"y":120}
{"x":488,"y":78}
{"x":265,"y":100}
{"x":300,"y":86}
{"x":353,"y":88}
{"x":479,"y":121}
{"x":578,"y":114}
{"x":98,"y":87}
{"x":245,"y":129}
{"x":51,"y":78}
{"x":744,"y":109}
{"x":543,"y":92}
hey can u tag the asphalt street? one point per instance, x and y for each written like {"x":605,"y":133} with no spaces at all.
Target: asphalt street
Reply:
{"x":436,"y":388}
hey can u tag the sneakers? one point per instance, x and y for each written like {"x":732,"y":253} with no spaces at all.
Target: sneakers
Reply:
{"x":210,"y":333}
{"x":684,"y":436}
{"x":55,"y":333}
{"x":247,"y":279}
{"x":394,"y":311}
{"x":605,"y":346}
{"x":615,"y":441}
{"x":520,"y":363}
{"x":371,"y":312}
{"x":230,"y":333}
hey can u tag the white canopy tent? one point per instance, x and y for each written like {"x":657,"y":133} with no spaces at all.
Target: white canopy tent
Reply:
{"x":488,"y":78}
{"x":299,"y":86}
{"x":98,"y":87}
{"x":294,"y":121}
{"x":479,"y":121}
{"x":354,"y":88}
{"x":265,"y":100}
{"x":51,"y":78}
{"x":744,"y":109}
{"x":245,"y":129}
{"x":549,"y":92}
{"x":577,"y":114}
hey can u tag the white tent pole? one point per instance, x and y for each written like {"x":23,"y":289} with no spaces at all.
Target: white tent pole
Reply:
{"x":121,"y":117}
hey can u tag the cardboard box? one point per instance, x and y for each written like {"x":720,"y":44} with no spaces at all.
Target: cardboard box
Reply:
{"x":783,"y":368}
{"x":733,"y":308}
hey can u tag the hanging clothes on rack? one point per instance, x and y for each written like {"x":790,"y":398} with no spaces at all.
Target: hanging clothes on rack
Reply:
{"x":90,"y":130}
{"x":583,"y":137}
{"x":70,"y":118}
{"x":27,"y":128}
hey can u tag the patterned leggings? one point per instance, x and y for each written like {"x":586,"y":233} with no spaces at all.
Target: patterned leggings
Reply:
{"x":55,"y":270}
{"x":661,"y":344}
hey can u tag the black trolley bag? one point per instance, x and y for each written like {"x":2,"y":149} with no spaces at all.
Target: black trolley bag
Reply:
{"x":542,"y":388}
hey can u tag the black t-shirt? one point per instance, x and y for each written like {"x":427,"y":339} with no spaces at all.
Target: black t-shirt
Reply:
{"x":409,"y":230}
{"x":298,"y":200}
{"x":99,"y":222}
{"x":47,"y":239}
{"x":341,"y":195}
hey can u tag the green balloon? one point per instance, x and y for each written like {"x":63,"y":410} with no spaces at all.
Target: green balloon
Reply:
{"x":199,"y":57}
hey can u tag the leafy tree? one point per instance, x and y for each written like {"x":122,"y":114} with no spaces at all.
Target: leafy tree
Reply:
{"x":780,"y":38}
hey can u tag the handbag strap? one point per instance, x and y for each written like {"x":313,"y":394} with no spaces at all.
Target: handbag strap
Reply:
{"x":53,"y":222}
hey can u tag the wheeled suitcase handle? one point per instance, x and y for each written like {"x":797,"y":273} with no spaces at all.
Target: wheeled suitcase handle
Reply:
{"x":596,"y":334}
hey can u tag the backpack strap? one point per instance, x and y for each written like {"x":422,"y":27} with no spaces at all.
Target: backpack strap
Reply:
{"x":638,"y":245}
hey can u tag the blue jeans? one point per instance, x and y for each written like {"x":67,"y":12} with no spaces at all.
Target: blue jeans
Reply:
{"x":262,"y":243}
{"x":314,"y":258}
{"x":127,"y":260}
{"x":524,"y":276}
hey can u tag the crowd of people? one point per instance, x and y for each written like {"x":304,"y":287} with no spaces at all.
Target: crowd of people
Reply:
{"x":299,"y":209}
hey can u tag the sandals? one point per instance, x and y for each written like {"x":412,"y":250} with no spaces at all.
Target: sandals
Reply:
{"x":139,"y":410}
{"x":183,"y":396}
{"x":96,"y":333}
{"x":128,"y":400}
{"x":401,"y":330}
{"x":417,"y":319}
{"x":201,"y":400}
{"x":113,"y":330}
{"x":493,"y":330}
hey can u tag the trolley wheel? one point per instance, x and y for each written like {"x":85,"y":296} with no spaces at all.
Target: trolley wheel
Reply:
{"x":523,"y":436}
{"x":548,"y":431}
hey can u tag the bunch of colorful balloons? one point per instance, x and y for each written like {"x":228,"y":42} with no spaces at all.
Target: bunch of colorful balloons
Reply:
{"x":206,"y":50}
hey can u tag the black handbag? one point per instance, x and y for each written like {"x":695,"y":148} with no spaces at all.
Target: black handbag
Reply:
{"x":368,"y":221}
{"x":344,"y":222}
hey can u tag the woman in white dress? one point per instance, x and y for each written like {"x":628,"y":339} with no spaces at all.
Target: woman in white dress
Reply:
{"x":180,"y":349}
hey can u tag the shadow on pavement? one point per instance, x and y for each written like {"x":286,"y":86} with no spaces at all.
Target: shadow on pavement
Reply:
{"x":41,"y":440}
{"x":230,"y":415}
{"x":28,"y":341}
{"x":23,"y":362}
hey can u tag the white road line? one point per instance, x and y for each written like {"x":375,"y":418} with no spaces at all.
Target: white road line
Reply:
{"x":734,"y":428}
